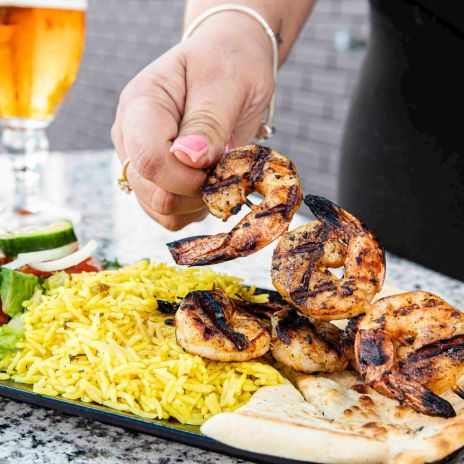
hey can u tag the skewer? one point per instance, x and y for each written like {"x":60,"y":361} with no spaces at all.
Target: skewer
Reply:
{"x":250,"y":204}
{"x":459,"y":391}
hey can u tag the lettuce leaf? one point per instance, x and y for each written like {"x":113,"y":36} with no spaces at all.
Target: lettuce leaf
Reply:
{"x":58,"y":279}
{"x":10,"y":334}
{"x":16,"y":287}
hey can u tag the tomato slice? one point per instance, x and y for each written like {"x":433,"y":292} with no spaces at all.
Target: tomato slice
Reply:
{"x":89,"y":265}
{"x":30,"y":270}
{"x":3,"y":317}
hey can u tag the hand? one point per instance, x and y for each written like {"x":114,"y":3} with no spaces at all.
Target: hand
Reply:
{"x":176,"y":116}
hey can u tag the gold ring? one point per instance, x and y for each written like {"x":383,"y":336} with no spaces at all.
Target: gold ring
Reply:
{"x":122,"y":181}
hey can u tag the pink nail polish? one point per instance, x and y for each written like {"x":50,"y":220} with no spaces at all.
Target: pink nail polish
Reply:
{"x":194,"y":146}
{"x":230,"y":144}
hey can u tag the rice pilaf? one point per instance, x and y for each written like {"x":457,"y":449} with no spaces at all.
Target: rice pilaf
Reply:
{"x":98,"y":337}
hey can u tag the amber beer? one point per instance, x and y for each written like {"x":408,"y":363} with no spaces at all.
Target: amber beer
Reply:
{"x":41,"y":45}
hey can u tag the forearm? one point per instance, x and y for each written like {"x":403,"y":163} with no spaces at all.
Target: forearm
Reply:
{"x":286,"y":17}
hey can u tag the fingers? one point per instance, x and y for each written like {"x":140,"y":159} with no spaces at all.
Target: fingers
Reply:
{"x":175,"y":221}
{"x":148,"y":130}
{"x":159,"y":201}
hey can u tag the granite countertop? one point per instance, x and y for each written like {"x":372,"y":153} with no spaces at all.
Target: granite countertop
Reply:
{"x":86,"y":181}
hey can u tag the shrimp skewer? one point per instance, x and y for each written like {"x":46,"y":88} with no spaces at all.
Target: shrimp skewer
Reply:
{"x":410,"y":347}
{"x":214,"y":326}
{"x":302,"y":259}
{"x":240,"y":172}
{"x":308,"y":345}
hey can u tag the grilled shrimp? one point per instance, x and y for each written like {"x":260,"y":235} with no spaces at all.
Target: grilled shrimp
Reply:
{"x":214,"y":326}
{"x":306,"y":344}
{"x":302,"y":259}
{"x":240,"y":172}
{"x":410,"y":347}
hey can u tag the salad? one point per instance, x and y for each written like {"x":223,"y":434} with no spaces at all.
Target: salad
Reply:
{"x":27,"y":259}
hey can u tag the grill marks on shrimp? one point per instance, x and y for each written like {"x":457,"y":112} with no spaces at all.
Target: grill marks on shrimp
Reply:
{"x":452,"y":348}
{"x":308,"y":345}
{"x":218,"y":185}
{"x":240,"y":172}
{"x":215,"y":312}
{"x":293,"y":202}
{"x":411,"y":347}
{"x":291,"y":322}
{"x":303,"y":259}
{"x":214,"y":326}
{"x":261,"y":156}
{"x":372,"y":351}
{"x":311,"y":248}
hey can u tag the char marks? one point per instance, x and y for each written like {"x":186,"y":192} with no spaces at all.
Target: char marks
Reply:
{"x":372,"y":350}
{"x":177,"y":243}
{"x":240,"y":172}
{"x":323,"y":209}
{"x":212,"y":187}
{"x":167,"y":307}
{"x":293,"y":201}
{"x":451,"y":347}
{"x":214,"y":311}
{"x":412,"y":351}
{"x":437,"y":406}
{"x":260,"y":157}
{"x":290,"y":323}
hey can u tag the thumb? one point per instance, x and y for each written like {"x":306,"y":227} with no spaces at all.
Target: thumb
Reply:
{"x":207,"y":126}
{"x":196,"y":151}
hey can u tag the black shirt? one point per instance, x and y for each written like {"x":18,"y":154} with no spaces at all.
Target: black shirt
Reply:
{"x":402,"y":168}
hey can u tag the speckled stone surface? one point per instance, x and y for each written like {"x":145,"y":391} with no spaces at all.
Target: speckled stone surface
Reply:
{"x":86,"y":181}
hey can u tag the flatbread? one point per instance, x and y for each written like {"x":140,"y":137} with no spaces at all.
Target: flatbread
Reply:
{"x":336,"y":419}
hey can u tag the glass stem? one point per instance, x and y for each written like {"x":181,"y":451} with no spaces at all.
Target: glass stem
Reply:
{"x":27,"y":149}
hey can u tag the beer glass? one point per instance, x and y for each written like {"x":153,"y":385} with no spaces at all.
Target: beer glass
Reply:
{"x":41,"y":43}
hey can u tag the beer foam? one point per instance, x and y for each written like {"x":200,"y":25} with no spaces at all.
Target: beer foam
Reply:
{"x":58,"y":4}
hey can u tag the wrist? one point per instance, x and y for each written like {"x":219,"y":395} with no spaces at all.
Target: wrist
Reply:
{"x":285,"y":17}
{"x":234,"y":32}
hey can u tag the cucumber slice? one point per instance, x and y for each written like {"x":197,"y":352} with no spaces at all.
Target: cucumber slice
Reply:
{"x":45,"y":238}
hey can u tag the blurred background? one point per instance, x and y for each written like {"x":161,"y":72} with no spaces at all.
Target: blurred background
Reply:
{"x":313,"y":93}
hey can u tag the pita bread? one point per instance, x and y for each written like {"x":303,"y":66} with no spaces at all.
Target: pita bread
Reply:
{"x":337,"y":419}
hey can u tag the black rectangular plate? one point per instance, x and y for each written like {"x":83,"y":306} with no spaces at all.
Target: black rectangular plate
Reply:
{"x":174,"y":431}
{"x":187,"y":434}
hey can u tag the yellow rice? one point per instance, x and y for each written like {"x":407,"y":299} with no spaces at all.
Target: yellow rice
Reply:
{"x":99,"y":338}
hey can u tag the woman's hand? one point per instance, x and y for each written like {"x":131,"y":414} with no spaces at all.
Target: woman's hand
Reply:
{"x":176,"y":116}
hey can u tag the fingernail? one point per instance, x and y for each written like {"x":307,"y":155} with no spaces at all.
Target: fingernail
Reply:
{"x":230,"y":144}
{"x":194,"y":146}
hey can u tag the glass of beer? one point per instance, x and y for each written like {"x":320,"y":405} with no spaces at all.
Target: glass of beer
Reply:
{"x":41,"y":43}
